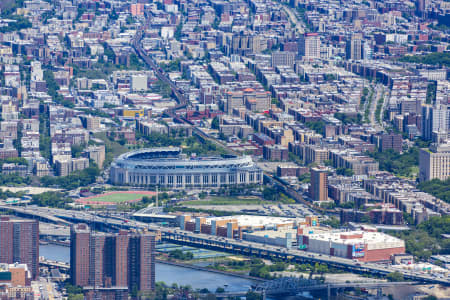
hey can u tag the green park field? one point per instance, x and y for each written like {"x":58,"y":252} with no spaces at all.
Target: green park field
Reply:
{"x":116,"y":197}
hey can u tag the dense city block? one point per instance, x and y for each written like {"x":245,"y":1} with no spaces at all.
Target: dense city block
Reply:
{"x":224,"y":149}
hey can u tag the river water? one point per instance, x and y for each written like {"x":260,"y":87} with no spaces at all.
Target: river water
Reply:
{"x":168,"y":273}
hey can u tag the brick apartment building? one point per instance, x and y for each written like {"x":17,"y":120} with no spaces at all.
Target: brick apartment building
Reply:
{"x":19,"y":243}
{"x":120,"y":260}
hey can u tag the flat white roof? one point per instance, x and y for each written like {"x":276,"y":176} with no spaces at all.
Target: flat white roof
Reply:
{"x":275,"y":233}
{"x":367,"y":237}
{"x":249,"y":220}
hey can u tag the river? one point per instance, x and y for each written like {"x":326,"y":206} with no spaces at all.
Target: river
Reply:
{"x":168,"y":273}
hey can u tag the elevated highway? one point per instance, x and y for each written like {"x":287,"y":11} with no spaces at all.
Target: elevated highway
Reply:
{"x":34,"y":214}
{"x":54,"y":264}
{"x":200,"y":240}
{"x":268,"y":251}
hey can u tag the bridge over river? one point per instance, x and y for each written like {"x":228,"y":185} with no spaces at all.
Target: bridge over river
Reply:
{"x":294,"y":286}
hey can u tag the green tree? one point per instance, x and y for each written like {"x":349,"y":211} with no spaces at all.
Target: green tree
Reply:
{"x":394,"y":162}
{"x":348,"y":172}
{"x":52,"y":89}
{"x":317,"y":126}
{"x":305,"y":178}
{"x":253,"y":296}
{"x":76,"y":150}
{"x":109,"y":52}
{"x":332,"y":222}
{"x":344,"y":171}
{"x":215,"y":123}
{"x":51,"y":199}
{"x":431,"y":92}
{"x":14,"y":179}
{"x":270,"y":193}
{"x":395,"y":276}
{"x":179,"y":254}
{"x":328,"y":162}
{"x":74,"y":180}
{"x":178,"y":29}
{"x":349,"y":119}
{"x":329,"y":77}
{"x":73,"y":292}
{"x":135,"y":62}
{"x":426,"y":239}
{"x":19,"y":22}
{"x":437,"y":188}
{"x":420,"y":143}
{"x":172,"y":66}
{"x":435,"y":58}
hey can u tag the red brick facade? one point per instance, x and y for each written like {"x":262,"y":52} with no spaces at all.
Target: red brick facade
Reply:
{"x":382,"y":254}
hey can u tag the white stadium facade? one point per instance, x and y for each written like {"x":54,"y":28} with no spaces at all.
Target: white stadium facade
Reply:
{"x":168,"y":167}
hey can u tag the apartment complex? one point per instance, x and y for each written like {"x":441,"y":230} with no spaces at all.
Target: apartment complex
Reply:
{"x":309,"y":45}
{"x":120,"y":260}
{"x":68,"y":165}
{"x":318,"y":189}
{"x":283,"y":58}
{"x":19,"y":243}
{"x":435,"y":162}
{"x":354,"y":47}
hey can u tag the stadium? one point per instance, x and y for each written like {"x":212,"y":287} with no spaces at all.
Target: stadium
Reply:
{"x":168,"y":167}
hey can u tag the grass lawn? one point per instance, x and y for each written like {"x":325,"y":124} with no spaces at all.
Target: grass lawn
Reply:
{"x":117,"y":197}
{"x":218,"y":200}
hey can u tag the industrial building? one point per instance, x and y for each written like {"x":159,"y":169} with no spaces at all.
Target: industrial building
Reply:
{"x":261,"y":229}
{"x":360,"y":245}
{"x":305,"y":234}
{"x":234,"y":226}
{"x":283,"y":237}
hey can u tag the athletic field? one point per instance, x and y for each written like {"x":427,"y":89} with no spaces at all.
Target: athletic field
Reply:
{"x":116,"y":197}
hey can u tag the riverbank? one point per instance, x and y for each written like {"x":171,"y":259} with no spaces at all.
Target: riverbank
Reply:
{"x":199,"y":268}
{"x":175,"y":263}
{"x":171,"y":273}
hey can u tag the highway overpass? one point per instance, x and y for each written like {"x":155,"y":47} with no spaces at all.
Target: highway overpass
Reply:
{"x":268,"y":251}
{"x":199,"y":240}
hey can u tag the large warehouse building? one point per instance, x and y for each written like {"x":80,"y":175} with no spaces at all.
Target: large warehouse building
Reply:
{"x":168,"y":167}
{"x":360,"y":245}
{"x":305,"y":234}
{"x":233,"y":226}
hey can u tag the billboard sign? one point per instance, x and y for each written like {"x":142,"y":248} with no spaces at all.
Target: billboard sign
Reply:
{"x":358,"y":250}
